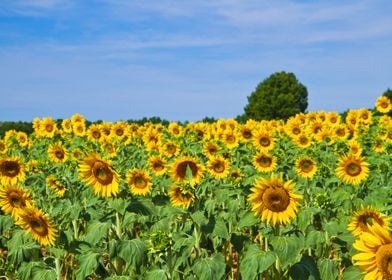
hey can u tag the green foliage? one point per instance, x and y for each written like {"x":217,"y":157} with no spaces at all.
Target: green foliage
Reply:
{"x":280,"y":96}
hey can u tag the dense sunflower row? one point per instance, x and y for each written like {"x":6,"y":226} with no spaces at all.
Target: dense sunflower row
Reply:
{"x":309,"y":197}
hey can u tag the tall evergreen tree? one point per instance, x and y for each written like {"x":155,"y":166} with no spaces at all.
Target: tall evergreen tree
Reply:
{"x":280,"y":96}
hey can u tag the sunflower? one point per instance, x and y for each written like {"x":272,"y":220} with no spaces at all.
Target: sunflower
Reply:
{"x":170,"y":149}
{"x":305,"y":167}
{"x":100,"y":175}
{"x":119,"y":130}
{"x":341,"y":131}
{"x":333,"y":118}
{"x":55,"y":184}
{"x":185,"y":167}
{"x":264,"y":141}
{"x":94,"y":133}
{"x":293,"y":128}
{"x":383,"y":104}
{"x":3,"y":147}
{"x":230,"y":139}
{"x":57,"y":152}
{"x":13,"y":198}
{"x":236,"y":176}
{"x":157,"y":165}
{"x":366,"y":217}
{"x":246,"y":132}
{"x":375,"y":253}
{"x":303,"y":141}
{"x":40,"y":226}
{"x":210,"y":149}
{"x":218,"y":167}
{"x":274,"y":200}
{"x":77,"y":118}
{"x":352,"y":169}
{"x":22,"y":138}
{"x":11,"y":171}
{"x":354,"y":147}
{"x":139,"y":181}
{"x":180,"y":196}
{"x":79,"y":129}
{"x":264,"y":162}
{"x":66,"y":125}
{"x":175,"y":129}
{"x":48,"y":128}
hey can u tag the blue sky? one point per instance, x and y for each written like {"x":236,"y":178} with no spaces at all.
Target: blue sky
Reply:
{"x":185,"y":60}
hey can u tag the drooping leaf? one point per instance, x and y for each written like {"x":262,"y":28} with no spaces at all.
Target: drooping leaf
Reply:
{"x":96,"y":231}
{"x":210,"y":268}
{"x":87,"y":264}
{"x":255,"y":261}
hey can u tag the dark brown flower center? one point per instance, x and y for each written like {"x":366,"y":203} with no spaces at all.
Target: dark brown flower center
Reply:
{"x":264,"y":161}
{"x":276,"y":199}
{"x":218,"y":167}
{"x":10,"y":168}
{"x":264,"y":141}
{"x":384,"y":260}
{"x":306,"y":165}
{"x":353,"y":168}
{"x":247,"y":133}
{"x":39,"y":227}
{"x":102,"y":173}
{"x":16,"y":201}
{"x":140,"y":182}
{"x":182,"y":166}
{"x":59,"y":154}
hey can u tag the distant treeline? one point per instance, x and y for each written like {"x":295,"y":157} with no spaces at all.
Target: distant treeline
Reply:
{"x":28,"y":126}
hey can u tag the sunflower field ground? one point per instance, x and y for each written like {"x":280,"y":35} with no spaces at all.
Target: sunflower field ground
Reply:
{"x":306,"y":198}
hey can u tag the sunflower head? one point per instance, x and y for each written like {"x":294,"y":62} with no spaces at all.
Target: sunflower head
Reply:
{"x":157,"y":165}
{"x":139,"y":182}
{"x":264,"y":141}
{"x":218,"y":167}
{"x":40,"y":226}
{"x":383,"y":104}
{"x":352,"y":169}
{"x":11,"y":171}
{"x":100,"y":175}
{"x":57,"y":153}
{"x":306,"y":167}
{"x":366,"y":217}
{"x":181,"y":196}
{"x":375,"y":253}
{"x":274,"y":201}
{"x":13,"y":199}
{"x":264,"y":162}
{"x":187,"y":169}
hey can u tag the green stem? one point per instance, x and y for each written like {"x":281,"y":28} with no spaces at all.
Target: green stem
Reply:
{"x":118,"y":226}
{"x":75,"y":228}
{"x":58,"y":267}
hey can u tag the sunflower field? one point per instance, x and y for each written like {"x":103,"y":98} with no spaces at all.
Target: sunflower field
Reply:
{"x":306,"y":198}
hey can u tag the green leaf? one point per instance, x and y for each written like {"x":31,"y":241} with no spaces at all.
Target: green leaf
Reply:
{"x":288,"y":249}
{"x":248,"y":220}
{"x":132,"y":251}
{"x":305,"y":269}
{"x":96,"y":231}
{"x":199,"y":218}
{"x":87,"y":264}
{"x":47,"y":274}
{"x":211,"y":267}
{"x":220,"y":230}
{"x":255,"y":262}
{"x":156,"y":274}
{"x":328,"y":269}
{"x":22,"y":248}
{"x":6,"y":222}
{"x":352,"y":273}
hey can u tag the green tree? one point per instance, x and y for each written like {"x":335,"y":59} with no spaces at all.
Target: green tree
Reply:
{"x":388,"y":93}
{"x":280,"y":96}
